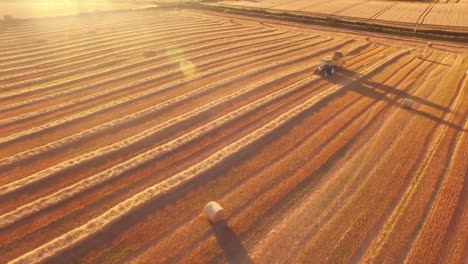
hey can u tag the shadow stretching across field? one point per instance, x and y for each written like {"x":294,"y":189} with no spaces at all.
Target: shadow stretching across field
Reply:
{"x":230,"y":244}
{"x":380,"y":91}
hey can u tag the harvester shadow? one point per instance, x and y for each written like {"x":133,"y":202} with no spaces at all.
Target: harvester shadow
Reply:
{"x":380,"y":91}
{"x":230,"y":244}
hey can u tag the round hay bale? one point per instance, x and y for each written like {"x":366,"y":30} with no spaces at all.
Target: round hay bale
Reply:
{"x":149,"y":53}
{"x":366,"y":38}
{"x":214,"y":212}
{"x":408,"y":103}
{"x":429,"y":44}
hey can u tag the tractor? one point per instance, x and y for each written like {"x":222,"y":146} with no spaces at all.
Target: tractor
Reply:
{"x":328,"y":66}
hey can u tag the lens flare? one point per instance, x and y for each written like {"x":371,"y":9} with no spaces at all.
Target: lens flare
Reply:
{"x":187,"y":67}
{"x":177,"y":55}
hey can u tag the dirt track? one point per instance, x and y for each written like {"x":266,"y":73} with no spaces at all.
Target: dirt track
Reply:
{"x":107,"y":156}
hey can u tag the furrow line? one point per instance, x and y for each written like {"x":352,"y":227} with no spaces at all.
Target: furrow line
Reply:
{"x":93,"y":39}
{"x":30,"y":82}
{"x":358,"y":183}
{"x":47,"y":61}
{"x":251,"y":36}
{"x":233,"y":189}
{"x":83,"y":88}
{"x":137,"y":45}
{"x":85,"y":29}
{"x":83,"y":232}
{"x":54,"y":76}
{"x":59,"y":57}
{"x":73,"y":37}
{"x":103,"y":39}
{"x":304,"y":237}
{"x":412,"y":186}
{"x":6,"y":189}
{"x":438,"y":201}
{"x":366,"y":244}
{"x":21,"y":31}
{"x":111,"y":105}
{"x":55,"y":108}
{"x":68,"y":192}
{"x":263,"y":91}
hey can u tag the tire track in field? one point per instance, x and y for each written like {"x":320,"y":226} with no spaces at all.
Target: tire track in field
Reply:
{"x":385,"y":9}
{"x":80,"y":234}
{"x":346,"y":8}
{"x":122,"y":101}
{"x":150,"y":132}
{"x":423,"y":16}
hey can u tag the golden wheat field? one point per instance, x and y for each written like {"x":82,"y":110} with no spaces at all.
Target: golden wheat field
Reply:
{"x":447,"y":16}
{"x":117,"y":128}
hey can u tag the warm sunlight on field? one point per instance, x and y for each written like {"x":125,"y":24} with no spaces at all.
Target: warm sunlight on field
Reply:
{"x":331,"y":132}
{"x":40,"y":8}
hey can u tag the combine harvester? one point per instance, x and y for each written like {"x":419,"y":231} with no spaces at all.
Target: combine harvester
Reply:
{"x":328,"y":66}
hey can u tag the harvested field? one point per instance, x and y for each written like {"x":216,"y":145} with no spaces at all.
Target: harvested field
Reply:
{"x":118,"y":129}
{"x":436,"y":16}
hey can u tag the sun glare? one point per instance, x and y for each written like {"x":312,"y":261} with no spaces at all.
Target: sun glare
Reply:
{"x":40,"y":8}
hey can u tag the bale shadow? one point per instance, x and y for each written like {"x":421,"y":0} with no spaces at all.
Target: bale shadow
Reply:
{"x":230,"y":244}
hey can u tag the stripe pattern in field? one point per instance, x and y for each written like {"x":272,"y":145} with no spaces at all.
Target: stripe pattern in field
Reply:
{"x":108,"y":156}
{"x":450,"y":16}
